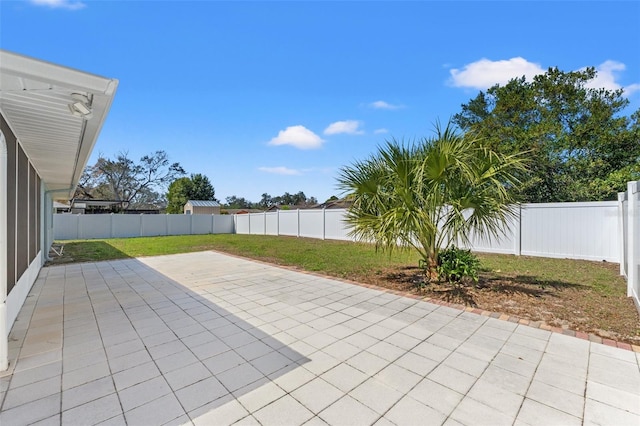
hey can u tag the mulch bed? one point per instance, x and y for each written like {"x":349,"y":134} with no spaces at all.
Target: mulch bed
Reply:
{"x":568,"y":307}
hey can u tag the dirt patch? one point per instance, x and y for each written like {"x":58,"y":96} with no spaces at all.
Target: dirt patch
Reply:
{"x":557,"y":304}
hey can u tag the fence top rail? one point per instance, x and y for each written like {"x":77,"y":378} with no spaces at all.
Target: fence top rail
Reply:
{"x":580,"y":204}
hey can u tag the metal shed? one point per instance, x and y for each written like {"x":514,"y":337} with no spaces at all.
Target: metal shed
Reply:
{"x":202,"y":207}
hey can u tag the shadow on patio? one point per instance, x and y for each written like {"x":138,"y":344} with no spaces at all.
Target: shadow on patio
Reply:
{"x":120,"y":340}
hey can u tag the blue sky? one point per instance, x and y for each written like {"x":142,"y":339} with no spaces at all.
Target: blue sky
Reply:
{"x":276,"y":96}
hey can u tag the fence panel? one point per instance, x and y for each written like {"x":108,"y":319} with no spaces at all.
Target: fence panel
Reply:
{"x":201,"y":224}
{"x":335,"y":226}
{"x":288,"y":222}
{"x":635,"y":259}
{"x":624,"y":244}
{"x":123,"y":225}
{"x":571,"y":230}
{"x":506,"y":242}
{"x":222,"y":224}
{"x":95,"y":227}
{"x":242,"y":223}
{"x":153,"y":225}
{"x":178,"y":224}
{"x":272,"y":223}
{"x":65,"y":226}
{"x":312,"y":223}
{"x":633,"y":241}
{"x":257,"y":223}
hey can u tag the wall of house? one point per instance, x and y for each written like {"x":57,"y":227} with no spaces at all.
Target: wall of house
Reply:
{"x":24,"y":223}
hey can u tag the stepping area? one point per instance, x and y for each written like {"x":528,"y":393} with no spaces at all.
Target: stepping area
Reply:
{"x":210,"y":339}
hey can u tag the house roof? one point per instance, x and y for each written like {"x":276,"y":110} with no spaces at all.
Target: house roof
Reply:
{"x":203,"y":203}
{"x":35,"y":99}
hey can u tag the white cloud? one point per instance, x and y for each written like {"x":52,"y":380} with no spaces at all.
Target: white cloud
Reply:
{"x":280,"y":171}
{"x":60,"y":4}
{"x":606,"y":78}
{"x":384,"y":105}
{"x":297,"y":136}
{"x":350,"y":127}
{"x":380,"y":131}
{"x":485,"y":73}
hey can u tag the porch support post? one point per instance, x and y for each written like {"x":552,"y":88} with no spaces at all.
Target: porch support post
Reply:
{"x":4,"y":332}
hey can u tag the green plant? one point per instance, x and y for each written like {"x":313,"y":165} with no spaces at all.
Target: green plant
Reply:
{"x":421,"y":195}
{"x":456,"y":265}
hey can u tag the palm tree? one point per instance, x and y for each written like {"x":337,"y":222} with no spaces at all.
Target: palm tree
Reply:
{"x":431,"y":194}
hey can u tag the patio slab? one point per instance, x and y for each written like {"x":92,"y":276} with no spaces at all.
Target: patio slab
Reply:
{"x":206,"y":338}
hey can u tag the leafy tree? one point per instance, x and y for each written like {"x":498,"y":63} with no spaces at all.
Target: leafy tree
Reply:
{"x":202,"y":188}
{"x":574,"y":135}
{"x":266,"y":201}
{"x":178,"y":195}
{"x":234,"y":202}
{"x":430,"y":194}
{"x":181,"y":190}
{"x":132,"y":184}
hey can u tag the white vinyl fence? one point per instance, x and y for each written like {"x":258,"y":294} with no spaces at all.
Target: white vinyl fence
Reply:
{"x":92,"y":226}
{"x":311,"y":223}
{"x":565,"y":230}
{"x":630,"y":239}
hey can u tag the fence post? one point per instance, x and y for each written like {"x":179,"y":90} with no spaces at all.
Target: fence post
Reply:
{"x":277,"y":222}
{"x":517,"y":232}
{"x":111,"y":225}
{"x":298,"y":210}
{"x":213,"y":223}
{"x":633,"y":220}
{"x":622,"y":244}
{"x":324,"y":223}
{"x":166,"y":224}
{"x":79,"y":228}
{"x":141,"y":226}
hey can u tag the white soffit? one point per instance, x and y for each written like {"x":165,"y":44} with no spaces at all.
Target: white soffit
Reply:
{"x":34,"y":99}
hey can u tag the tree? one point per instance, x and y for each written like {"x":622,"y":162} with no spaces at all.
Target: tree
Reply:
{"x":430,"y":194}
{"x":178,"y":195}
{"x":130,"y":183}
{"x":234,"y":202}
{"x":266,"y":201}
{"x":202,"y":188}
{"x":573,"y":134}
{"x":181,"y":190}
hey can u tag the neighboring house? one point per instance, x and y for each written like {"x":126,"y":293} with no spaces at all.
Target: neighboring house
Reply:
{"x":92,"y":206}
{"x":60,"y":208}
{"x":80,"y":206}
{"x":335,"y":204}
{"x":201,"y":207}
{"x":240,"y":211}
{"x":50,"y":118}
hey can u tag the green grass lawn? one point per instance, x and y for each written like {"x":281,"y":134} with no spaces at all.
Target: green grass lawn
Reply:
{"x":581,"y":295}
{"x":341,"y":258}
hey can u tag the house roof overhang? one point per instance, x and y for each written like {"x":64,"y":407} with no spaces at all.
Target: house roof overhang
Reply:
{"x":34,"y":99}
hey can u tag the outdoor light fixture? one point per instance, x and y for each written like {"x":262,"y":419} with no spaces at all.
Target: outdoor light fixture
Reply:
{"x":80,"y":107}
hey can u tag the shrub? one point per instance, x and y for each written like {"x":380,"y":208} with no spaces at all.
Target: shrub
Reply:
{"x":456,"y":265}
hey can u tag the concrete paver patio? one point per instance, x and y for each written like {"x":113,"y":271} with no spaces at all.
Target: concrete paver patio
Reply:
{"x":210,"y":339}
